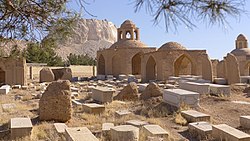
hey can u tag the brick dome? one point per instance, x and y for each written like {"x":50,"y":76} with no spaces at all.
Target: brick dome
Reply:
{"x":172,"y":46}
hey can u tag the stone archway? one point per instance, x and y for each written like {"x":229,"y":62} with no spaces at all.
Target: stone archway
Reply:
{"x":151,"y":69}
{"x":2,"y":76}
{"x":183,"y":66}
{"x":101,"y":65}
{"x":116,"y":65}
{"x":136,"y":64}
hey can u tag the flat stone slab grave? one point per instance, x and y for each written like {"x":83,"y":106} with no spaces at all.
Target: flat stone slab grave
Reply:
{"x":219,"y":89}
{"x":20,"y":127}
{"x":60,"y":127}
{"x":225,"y":132}
{"x":200,"y":88}
{"x":200,"y":130}
{"x":245,"y":122}
{"x":5,"y":89}
{"x":103,"y":94}
{"x":8,"y":106}
{"x":106,"y":127}
{"x":125,"y":133}
{"x":177,"y":97}
{"x":195,"y":116}
{"x":79,"y":134}
{"x":154,"y":130}
{"x":122,"y":113}
{"x":93,"y":108}
{"x":136,"y":123}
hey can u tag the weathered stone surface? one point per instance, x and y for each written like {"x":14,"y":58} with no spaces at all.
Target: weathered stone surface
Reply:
{"x":136,"y":123}
{"x":245,"y":79}
{"x":20,"y":127}
{"x":46,"y":75}
{"x":55,"y":103}
{"x":93,"y":108}
{"x":100,"y":77}
{"x":195,"y":116}
{"x":232,"y":69}
{"x":60,"y":127}
{"x":79,"y":134}
{"x":102,"y":94}
{"x":154,"y":131}
{"x":122,"y":113}
{"x":152,"y":90}
{"x":219,"y":89}
{"x":177,"y":97}
{"x":5,"y":89}
{"x":200,"y":88}
{"x":89,"y":36}
{"x":245,"y":122}
{"x":125,"y":133}
{"x":220,"y":81}
{"x":106,"y":133}
{"x":77,"y":106}
{"x":129,"y":92}
{"x":142,"y":87}
{"x":225,"y":132}
{"x":200,"y":130}
{"x":62,"y":74}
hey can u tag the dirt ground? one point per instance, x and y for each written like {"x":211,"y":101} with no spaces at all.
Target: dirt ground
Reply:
{"x":222,"y":110}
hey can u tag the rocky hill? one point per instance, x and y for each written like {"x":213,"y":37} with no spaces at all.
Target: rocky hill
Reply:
{"x":89,"y":35}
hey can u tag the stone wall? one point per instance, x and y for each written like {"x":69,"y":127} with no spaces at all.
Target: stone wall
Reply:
{"x":77,"y":71}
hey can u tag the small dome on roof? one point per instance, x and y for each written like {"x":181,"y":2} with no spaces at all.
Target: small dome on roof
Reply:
{"x":127,"y":23}
{"x":128,"y":44}
{"x":241,"y":52}
{"x":172,"y":46}
{"x":241,"y":37}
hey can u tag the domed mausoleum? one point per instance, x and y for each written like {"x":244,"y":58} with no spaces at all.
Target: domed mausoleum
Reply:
{"x":130,"y":56}
{"x":173,"y":59}
{"x":124,"y":56}
{"x":242,"y":53}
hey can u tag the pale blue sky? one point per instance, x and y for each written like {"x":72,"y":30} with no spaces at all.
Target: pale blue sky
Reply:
{"x":216,"y":40}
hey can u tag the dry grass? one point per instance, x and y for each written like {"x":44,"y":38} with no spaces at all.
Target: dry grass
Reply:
{"x":45,"y":131}
{"x":179,"y":119}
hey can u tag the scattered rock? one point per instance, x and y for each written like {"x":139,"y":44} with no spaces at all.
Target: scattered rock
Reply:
{"x":152,"y":90}
{"x":55,"y":103}
{"x":129,"y":92}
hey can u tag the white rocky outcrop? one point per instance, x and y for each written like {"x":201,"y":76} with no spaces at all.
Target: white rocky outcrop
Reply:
{"x":89,"y":35}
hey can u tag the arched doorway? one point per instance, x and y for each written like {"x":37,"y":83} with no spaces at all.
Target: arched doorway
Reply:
{"x":2,"y":76}
{"x":151,"y":69}
{"x":183,"y":66}
{"x":101,"y":65}
{"x":116,"y":64}
{"x":136,"y":64}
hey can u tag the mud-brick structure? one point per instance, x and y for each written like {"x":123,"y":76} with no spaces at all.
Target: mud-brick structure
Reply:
{"x":124,"y":56}
{"x":13,"y":71}
{"x":130,"y":56}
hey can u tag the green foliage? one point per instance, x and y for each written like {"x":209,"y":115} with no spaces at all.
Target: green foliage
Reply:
{"x":74,"y":59}
{"x":38,"y":53}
